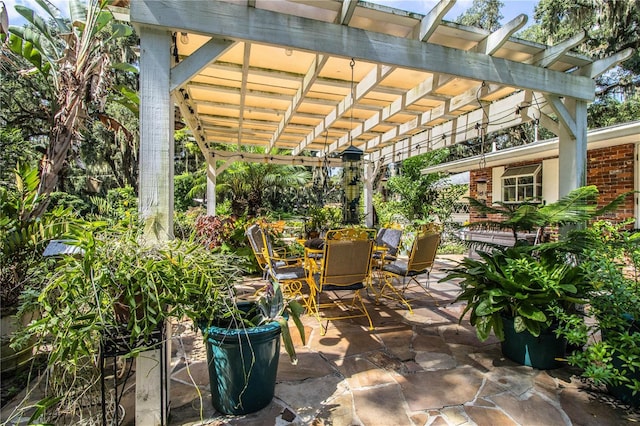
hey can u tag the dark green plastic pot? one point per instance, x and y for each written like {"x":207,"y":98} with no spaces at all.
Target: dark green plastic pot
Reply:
{"x":243,"y":364}
{"x":540,"y":352}
{"x":620,"y":391}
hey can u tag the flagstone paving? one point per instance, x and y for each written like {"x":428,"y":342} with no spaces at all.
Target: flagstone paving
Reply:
{"x":413,"y":369}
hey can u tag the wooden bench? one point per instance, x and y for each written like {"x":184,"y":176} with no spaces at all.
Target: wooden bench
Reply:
{"x":501,"y":238}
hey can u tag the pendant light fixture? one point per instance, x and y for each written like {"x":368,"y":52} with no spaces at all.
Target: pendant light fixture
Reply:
{"x":351,"y":169}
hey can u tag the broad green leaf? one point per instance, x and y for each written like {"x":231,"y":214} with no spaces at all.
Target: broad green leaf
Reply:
{"x":485,"y":308}
{"x":78,"y":11}
{"x":123,"y":66}
{"x":286,"y":339}
{"x":55,"y":13}
{"x":532,"y":313}
{"x":518,"y":324}
{"x":121,"y":30}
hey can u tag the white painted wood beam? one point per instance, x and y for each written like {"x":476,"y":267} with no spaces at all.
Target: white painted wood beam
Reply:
{"x":211,"y":189}
{"x":219,"y":119}
{"x":307,"y":81}
{"x":600,"y":66}
{"x":432,"y":19}
{"x":273,"y":28}
{"x":346,"y":12}
{"x":572,"y":149}
{"x":465,"y":130}
{"x":363,"y":87}
{"x":236,"y":91}
{"x":243,"y":88}
{"x":255,"y":71}
{"x":230,"y":156}
{"x":236,"y":107}
{"x":551,"y":54}
{"x":399,"y":105}
{"x":197,"y":61}
{"x":156,"y":199}
{"x":496,"y":39}
{"x":566,"y":119}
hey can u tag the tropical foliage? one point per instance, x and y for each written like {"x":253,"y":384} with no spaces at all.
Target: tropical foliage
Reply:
{"x":514,"y":283}
{"x":483,"y":14}
{"x":248,"y":185}
{"x":576,"y":207}
{"x":119,"y":286}
{"x":76,"y":74}
{"x":610,"y":340}
{"x":23,"y":237}
{"x":413,"y":194}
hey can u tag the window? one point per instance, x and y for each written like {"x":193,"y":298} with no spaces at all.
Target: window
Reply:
{"x":521,"y":184}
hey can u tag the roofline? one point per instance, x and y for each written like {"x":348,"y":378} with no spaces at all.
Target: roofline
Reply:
{"x":618,"y":134}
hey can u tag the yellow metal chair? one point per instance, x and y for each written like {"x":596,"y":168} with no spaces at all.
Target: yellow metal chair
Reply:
{"x":288,"y":272}
{"x":421,"y":259}
{"x":345,"y":268}
{"x":254,"y":234}
{"x":262,"y":248}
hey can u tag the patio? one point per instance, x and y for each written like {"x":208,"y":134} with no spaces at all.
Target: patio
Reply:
{"x":413,"y":369}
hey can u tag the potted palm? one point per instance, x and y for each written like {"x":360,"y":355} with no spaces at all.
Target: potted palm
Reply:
{"x":122,"y":284}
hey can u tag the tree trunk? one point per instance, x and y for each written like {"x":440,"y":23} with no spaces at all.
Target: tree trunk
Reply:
{"x":61,"y":139}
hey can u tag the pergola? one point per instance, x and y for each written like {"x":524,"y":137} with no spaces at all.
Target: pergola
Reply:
{"x":277,"y":74}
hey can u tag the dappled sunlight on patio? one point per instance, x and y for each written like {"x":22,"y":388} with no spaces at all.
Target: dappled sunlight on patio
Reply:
{"x":413,"y":369}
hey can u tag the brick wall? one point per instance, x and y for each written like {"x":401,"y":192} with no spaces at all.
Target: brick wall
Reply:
{"x":611,"y":169}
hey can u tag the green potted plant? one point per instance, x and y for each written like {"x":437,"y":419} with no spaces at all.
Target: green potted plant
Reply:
{"x":322,"y":219}
{"x":121,"y":283}
{"x":516,"y":294}
{"x":609,"y":346}
{"x":242,"y":350}
{"x":523,"y":292}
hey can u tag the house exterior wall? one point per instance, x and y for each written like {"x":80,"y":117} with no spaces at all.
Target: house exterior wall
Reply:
{"x":611,"y":169}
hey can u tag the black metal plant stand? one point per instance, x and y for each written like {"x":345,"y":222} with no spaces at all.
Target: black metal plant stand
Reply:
{"x":117,"y":342}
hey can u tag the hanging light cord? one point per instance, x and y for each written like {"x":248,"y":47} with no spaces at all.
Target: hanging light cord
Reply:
{"x":352,"y":64}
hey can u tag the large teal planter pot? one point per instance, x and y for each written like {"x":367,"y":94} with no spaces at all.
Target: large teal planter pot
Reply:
{"x":540,"y":352}
{"x":243,"y":364}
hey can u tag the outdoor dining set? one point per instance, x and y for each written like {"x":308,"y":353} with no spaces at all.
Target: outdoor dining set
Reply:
{"x":334,"y":271}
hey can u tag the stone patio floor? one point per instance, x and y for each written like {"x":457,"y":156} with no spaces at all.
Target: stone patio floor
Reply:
{"x":413,"y":369}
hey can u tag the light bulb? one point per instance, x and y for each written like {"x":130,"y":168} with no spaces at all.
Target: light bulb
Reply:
{"x":184,"y":38}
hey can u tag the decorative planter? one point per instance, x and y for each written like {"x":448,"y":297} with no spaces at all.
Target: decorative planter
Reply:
{"x":243,"y":364}
{"x":540,"y":352}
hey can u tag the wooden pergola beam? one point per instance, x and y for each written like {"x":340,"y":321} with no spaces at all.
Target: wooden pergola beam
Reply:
{"x":295,"y":32}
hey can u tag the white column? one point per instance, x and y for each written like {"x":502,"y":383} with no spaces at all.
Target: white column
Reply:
{"x":572,"y":149}
{"x":155,"y":199}
{"x":211,"y":190}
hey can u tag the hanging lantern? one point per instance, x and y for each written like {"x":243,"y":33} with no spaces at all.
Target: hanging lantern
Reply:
{"x":351,"y":184}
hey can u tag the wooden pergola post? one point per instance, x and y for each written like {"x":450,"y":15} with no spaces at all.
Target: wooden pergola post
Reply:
{"x":156,"y":201}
